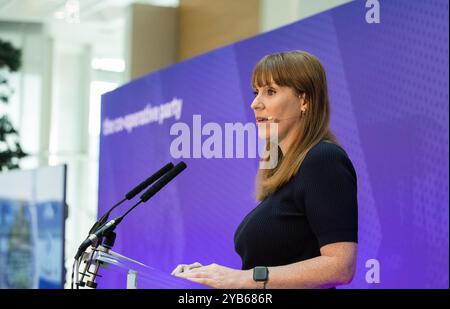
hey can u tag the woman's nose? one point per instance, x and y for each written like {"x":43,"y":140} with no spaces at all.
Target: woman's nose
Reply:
{"x":256,"y":104}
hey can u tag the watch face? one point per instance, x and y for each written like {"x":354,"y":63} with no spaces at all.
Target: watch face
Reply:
{"x":260,"y":273}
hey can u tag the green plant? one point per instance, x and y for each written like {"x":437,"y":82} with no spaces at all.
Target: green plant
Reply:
{"x":10,"y":149}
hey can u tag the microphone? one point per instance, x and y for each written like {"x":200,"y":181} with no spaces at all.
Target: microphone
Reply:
{"x":135,"y":191}
{"x":163,"y":181}
{"x":111,"y":225}
{"x":149,"y":181}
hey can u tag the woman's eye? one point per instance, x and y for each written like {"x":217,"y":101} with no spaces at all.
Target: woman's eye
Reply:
{"x":271,"y":92}
{"x":255,"y":93}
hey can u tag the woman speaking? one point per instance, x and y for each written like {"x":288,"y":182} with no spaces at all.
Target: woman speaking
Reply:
{"x":304,"y":231}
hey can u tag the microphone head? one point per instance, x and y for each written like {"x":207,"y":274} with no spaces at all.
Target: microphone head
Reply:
{"x":143,"y":185}
{"x":177,"y":169}
{"x":180,"y":167}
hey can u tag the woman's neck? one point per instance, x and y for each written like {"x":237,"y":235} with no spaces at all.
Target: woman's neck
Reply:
{"x":289,"y":140}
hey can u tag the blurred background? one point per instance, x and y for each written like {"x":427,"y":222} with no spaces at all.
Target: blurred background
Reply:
{"x":70,"y":52}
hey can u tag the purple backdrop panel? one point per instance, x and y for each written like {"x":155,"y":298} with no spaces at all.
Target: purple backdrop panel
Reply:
{"x":388,"y":85}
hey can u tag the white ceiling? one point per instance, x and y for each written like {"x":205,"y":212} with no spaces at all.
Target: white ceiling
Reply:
{"x":90,"y":10}
{"x":101,"y":22}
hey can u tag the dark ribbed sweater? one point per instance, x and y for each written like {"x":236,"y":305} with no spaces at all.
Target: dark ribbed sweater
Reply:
{"x":318,"y":206}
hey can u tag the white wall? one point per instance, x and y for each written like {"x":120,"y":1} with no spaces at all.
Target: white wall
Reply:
{"x":69,"y":137}
{"x":278,"y":13}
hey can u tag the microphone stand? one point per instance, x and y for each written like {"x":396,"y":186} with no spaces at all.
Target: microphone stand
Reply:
{"x":108,"y":243}
{"x":111,"y":235}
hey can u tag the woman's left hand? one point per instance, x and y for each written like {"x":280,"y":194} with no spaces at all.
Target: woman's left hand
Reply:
{"x":219,"y":277}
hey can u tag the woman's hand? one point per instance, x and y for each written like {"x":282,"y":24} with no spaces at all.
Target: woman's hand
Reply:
{"x":218,"y":277}
{"x":185,"y":267}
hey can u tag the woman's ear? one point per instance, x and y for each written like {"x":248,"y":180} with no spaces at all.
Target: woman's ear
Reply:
{"x":304,"y":107}
{"x":303,"y":102}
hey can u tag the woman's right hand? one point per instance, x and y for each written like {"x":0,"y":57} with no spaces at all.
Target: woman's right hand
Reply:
{"x":185,"y":267}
